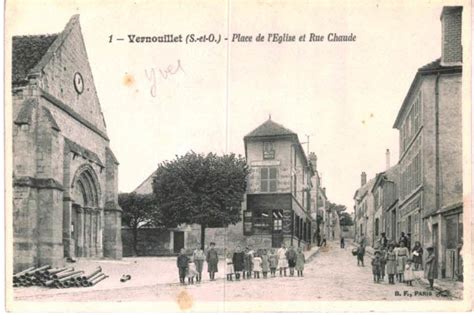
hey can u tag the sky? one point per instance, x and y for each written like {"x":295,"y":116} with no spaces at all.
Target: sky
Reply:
{"x":164,"y":99}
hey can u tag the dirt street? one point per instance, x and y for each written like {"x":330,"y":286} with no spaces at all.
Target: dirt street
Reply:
{"x":332,"y":275}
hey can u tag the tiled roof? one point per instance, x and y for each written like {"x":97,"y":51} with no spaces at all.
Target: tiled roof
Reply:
{"x":27,"y":51}
{"x":270,"y":128}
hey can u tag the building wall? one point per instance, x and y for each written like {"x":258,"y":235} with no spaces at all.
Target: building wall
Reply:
{"x":450,"y":139}
{"x":69,"y":58}
{"x":45,"y":169}
{"x":281,"y":161}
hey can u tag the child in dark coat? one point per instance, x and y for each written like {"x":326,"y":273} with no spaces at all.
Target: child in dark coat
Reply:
{"x":376,"y":267}
{"x":182,"y":263}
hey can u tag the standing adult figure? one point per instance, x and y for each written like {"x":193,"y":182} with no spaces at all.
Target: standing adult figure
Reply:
{"x":417,"y":255}
{"x":402,"y":256}
{"x":391,"y":263}
{"x":430,"y":266}
{"x":282,"y":260}
{"x":199,"y":257}
{"x":212,"y":259}
{"x":238,"y":260}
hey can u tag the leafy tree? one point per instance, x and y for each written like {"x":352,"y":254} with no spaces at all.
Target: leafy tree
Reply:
{"x":202,"y":189}
{"x":138,"y":210}
{"x":337,"y":208}
{"x":346,"y":219}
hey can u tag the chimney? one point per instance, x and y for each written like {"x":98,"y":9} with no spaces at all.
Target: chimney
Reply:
{"x":363,"y":179}
{"x":387,"y":159}
{"x":313,"y":159}
{"x":451,"y":25}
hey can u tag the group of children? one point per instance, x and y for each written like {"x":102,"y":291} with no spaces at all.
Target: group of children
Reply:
{"x":395,"y":262}
{"x":248,"y":263}
{"x":266,"y":262}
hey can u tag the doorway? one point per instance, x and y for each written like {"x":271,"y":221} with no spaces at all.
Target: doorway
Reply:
{"x":277,"y":228}
{"x":435,"y":238}
{"x":178,"y":241}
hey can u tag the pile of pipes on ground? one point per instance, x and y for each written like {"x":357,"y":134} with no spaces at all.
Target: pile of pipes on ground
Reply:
{"x":57,"y":277}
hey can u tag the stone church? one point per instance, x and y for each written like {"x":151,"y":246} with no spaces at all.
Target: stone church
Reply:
{"x":64,"y":172}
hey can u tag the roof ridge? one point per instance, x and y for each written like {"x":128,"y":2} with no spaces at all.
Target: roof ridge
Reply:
{"x":270,"y":128}
{"x":55,"y":45}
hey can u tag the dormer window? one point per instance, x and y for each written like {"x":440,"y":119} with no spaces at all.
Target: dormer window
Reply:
{"x":268,"y":151}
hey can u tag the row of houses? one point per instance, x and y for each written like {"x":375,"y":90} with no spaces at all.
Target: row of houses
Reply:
{"x":285,"y":202}
{"x":422,"y":195}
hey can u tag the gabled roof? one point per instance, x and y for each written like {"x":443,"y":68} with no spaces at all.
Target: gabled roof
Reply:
{"x":362,"y":191}
{"x":27,"y":51}
{"x":270,"y":128}
{"x":390,"y":175}
{"x":430,"y":68}
{"x":146,"y":187}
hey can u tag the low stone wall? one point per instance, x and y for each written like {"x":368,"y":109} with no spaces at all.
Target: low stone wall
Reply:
{"x":151,"y":242}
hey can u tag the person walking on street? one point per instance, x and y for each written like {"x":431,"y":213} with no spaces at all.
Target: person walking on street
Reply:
{"x":430,"y":266}
{"x":182,"y":262}
{"x":282,"y":260}
{"x":342,"y":242}
{"x":198,"y":258}
{"x":238,"y":261}
{"x":360,"y":255}
{"x":291,"y":257}
{"x":300,"y":261}
{"x":212,"y":259}
{"x":417,"y":255}
{"x":391,"y":264}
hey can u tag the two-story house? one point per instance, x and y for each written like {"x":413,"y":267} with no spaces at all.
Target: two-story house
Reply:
{"x":278,"y":200}
{"x":364,"y":210}
{"x":385,"y":204}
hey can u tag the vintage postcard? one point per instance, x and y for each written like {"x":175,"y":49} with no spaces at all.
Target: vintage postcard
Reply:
{"x":238,"y":156}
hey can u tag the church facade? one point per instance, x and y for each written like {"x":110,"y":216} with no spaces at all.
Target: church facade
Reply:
{"x":65,"y":175}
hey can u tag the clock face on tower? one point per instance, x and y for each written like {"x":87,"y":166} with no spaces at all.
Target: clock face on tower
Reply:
{"x":78,"y":83}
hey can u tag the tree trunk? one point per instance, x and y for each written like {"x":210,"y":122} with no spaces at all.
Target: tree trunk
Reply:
{"x":135,"y":239}
{"x":203,"y":235}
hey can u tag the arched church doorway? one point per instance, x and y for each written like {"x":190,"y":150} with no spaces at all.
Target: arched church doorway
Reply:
{"x":86,"y":214}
